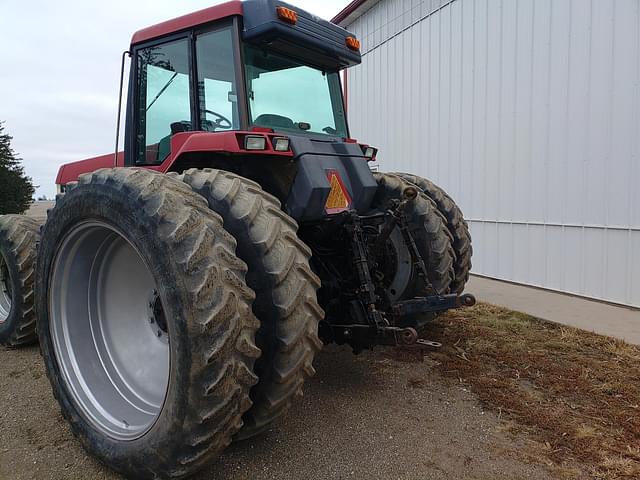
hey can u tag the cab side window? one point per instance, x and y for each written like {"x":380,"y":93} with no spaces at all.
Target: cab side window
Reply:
{"x":217,"y":92}
{"x":164,"y":106}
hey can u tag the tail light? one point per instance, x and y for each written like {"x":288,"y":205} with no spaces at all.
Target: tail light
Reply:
{"x":369,"y":152}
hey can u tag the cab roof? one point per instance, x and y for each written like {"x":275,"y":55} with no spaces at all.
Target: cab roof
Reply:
{"x":190,"y":20}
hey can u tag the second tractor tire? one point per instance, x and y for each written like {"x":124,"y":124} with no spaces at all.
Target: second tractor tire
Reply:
{"x":428,"y":229}
{"x":18,"y":238}
{"x":285,"y":286}
{"x":455,"y":223}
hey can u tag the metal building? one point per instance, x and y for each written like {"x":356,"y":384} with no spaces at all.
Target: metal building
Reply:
{"x":528,"y":113}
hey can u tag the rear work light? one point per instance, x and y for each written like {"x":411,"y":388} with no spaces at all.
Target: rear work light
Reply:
{"x":255,"y":142}
{"x":353,"y":43}
{"x":281,"y":144}
{"x":369,"y":152}
{"x":287,"y":15}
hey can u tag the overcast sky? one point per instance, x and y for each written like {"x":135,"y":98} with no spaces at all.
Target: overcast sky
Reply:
{"x":60,"y":62}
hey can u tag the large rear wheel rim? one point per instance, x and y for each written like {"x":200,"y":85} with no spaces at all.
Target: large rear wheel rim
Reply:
{"x":5,"y":291}
{"x":108,"y":331}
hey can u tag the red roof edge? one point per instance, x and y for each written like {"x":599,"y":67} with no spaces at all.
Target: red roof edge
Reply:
{"x":190,"y":20}
{"x":348,"y":10}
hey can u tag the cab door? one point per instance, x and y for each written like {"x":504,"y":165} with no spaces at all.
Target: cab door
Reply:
{"x":164,"y":98}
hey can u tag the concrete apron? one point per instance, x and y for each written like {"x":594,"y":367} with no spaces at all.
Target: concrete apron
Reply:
{"x":590,"y":315}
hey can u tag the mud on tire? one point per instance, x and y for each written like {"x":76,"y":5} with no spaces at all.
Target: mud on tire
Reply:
{"x":285,"y":288}
{"x":18,"y":238}
{"x":456,"y":225}
{"x":201,"y":294}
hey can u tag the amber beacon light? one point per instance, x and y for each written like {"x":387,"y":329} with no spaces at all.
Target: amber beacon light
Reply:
{"x":287,"y":15}
{"x":353,"y":43}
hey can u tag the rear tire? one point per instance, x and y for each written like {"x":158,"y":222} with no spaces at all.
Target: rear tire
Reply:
{"x":433,"y":241}
{"x":456,"y":224}
{"x":285,"y":287}
{"x":18,"y":238}
{"x":149,"y":223}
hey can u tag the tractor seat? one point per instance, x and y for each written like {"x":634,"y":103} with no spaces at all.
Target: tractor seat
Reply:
{"x":274,"y":121}
{"x":164,"y":145}
{"x":180,"y":127}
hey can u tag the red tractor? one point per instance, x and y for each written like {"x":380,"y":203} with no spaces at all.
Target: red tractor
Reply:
{"x":183,"y":287}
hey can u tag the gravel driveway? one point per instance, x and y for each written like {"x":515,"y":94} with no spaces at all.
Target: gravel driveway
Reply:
{"x":366,"y":416}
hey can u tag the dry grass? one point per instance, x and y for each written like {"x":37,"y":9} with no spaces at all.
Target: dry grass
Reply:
{"x":578,"y":393}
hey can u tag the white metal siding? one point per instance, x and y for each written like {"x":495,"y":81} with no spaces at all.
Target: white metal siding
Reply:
{"x":528,"y":114}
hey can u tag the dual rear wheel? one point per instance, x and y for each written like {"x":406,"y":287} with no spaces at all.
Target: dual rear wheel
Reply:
{"x":152,"y":294}
{"x":456,"y":225}
{"x":441,"y":236}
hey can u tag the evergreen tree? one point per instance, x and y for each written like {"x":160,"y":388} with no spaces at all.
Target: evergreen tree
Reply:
{"x":16,"y":189}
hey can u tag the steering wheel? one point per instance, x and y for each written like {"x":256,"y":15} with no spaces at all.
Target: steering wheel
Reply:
{"x":221,"y":121}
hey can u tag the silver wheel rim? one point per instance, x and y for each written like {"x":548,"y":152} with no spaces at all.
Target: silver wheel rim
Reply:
{"x":108,"y":331}
{"x":5,"y":291}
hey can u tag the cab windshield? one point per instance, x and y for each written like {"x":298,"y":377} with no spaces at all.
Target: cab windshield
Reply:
{"x":286,"y":95}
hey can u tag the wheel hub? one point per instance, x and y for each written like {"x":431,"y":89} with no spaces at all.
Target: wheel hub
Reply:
{"x":5,"y":291}
{"x":110,"y":339}
{"x":396,"y":266}
{"x":157,"y":319}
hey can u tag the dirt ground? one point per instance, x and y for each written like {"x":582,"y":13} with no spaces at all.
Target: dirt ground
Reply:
{"x":38,"y":210}
{"x":368,"y":416}
{"x":576,"y":392}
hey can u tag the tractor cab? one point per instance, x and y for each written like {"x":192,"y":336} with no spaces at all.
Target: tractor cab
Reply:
{"x":212,"y":81}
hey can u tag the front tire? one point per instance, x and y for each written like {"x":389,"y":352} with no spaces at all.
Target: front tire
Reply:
{"x":18,"y":238}
{"x":145,"y":323}
{"x":279,"y":273}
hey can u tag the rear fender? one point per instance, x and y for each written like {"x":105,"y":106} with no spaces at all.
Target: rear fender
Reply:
{"x":71,"y":171}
